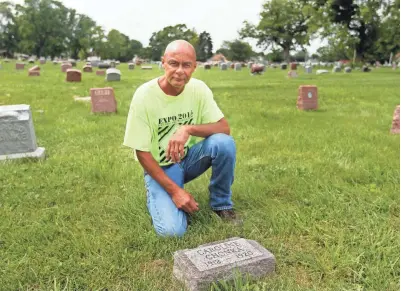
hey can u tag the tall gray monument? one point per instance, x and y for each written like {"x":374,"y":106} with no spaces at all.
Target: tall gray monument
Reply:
{"x":17,"y":134}
{"x":198,"y":268}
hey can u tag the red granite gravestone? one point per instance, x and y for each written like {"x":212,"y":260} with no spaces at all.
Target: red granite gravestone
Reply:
{"x":34,"y":71}
{"x":73,"y":75}
{"x":103,"y":100}
{"x":307,"y":97}
{"x":293,"y":66}
{"x":257,"y":69}
{"x":100,"y":72}
{"x":19,"y":66}
{"x":65,"y":67}
{"x":395,"y":126}
{"x":87,"y":69}
{"x":232,"y":66}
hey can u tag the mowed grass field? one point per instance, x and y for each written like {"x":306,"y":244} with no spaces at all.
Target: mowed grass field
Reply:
{"x":319,"y":189}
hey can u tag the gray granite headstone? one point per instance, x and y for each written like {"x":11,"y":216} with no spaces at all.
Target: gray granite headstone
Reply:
{"x":308,"y":69}
{"x":347,"y":70}
{"x":17,"y":134}
{"x":198,"y":268}
{"x":131,"y":66}
{"x":223,"y":67}
{"x":336,"y":69}
{"x":237,"y":67}
{"x":283,"y":66}
{"x":113,"y":74}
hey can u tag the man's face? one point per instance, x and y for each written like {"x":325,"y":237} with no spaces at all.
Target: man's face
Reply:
{"x":178,"y":67}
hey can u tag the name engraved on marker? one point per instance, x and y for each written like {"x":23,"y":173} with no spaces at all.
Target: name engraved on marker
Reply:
{"x":222,"y":254}
{"x":14,"y":133}
{"x":102,"y":92}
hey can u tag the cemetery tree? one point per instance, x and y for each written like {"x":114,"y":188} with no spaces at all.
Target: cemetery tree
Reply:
{"x":358,"y":24}
{"x":134,"y":49}
{"x":160,"y":39}
{"x":9,"y":38}
{"x":81,"y":41}
{"x":204,"y":47}
{"x":240,"y":51}
{"x":283,"y":23}
{"x":389,"y":32}
{"x":44,"y":26}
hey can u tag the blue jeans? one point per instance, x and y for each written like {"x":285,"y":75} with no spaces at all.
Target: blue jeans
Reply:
{"x":218,"y":151}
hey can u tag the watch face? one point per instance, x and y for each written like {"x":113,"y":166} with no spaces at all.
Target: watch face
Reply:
{"x":309,"y":94}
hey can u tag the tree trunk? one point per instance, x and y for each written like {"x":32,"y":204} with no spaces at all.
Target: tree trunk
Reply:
{"x":286,"y":54}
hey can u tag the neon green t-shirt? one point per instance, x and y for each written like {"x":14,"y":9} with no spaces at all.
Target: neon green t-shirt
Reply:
{"x":154,"y":116}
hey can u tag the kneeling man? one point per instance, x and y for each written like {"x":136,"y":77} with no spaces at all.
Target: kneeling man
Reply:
{"x":166,"y":116}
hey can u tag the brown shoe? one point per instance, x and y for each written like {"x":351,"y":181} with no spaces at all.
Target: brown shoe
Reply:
{"x":229,"y":215}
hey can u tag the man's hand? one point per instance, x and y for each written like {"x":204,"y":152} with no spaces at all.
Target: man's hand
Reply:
{"x":175,"y":149}
{"x":184,"y":201}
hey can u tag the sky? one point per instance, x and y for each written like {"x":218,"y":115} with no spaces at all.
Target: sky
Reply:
{"x":139,"y":19}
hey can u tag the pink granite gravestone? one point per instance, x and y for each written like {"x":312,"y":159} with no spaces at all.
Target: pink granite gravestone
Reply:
{"x":103,"y":100}
{"x":19,"y":66}
{"x":395,"y":126}
{"x":100,"y":72}
{"x":73,"y":75}
{"x":34,"y":71}
{"x":307,"y":97}
{"x":292,"y":74}
{"x":65,"y":67}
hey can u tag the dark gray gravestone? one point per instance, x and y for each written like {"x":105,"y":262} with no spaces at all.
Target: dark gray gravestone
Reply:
{"x":131,"y":66}
{"x":113,"y":74}
{"x":17,"y":134}
{"x":103,"y":65}
{"x":347,"y":70}
{"x":223,"y":67}
{"x":283,"y":66}
{"x":198,"y":268}
{"x":336,"y":69}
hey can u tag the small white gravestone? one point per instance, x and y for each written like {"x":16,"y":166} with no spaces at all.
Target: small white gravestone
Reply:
{"x":237,"y":67}
{"x":308,"y":69}
{"x":320,"y":72}
{"x":113,"y":74}
{"x":198,"y":268}
{"x":17,"y":134}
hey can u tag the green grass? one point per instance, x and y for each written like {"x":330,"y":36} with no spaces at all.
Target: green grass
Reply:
{"x":319,"y":189}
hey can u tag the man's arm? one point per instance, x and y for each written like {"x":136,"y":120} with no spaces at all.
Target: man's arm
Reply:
{"x":182,"y":199}
{"x":205,"y":130}
{"x":175,"y":147}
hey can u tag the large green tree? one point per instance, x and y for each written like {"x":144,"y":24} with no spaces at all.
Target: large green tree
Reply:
{"x":9,"y":36}
{"x":44,"y":26}
{"x":160,"y":39}
{"x":204,"y":46}
{"x":359,"y":25}
{"x":283,"y":24}
{"x":236,"y":50}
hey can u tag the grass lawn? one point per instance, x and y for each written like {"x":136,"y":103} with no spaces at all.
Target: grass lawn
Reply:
{"x":319,"y":189}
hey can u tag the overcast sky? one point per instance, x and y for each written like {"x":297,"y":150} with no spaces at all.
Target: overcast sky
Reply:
{"x":139,"y":19}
